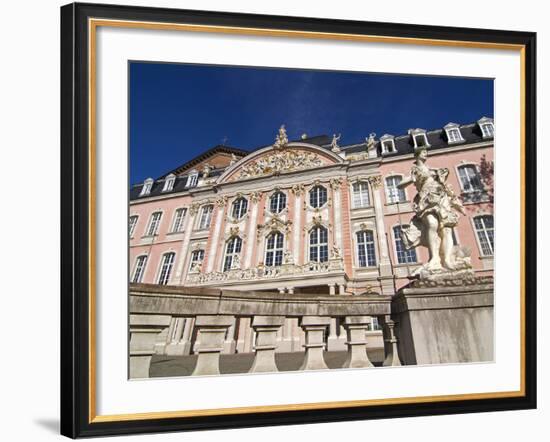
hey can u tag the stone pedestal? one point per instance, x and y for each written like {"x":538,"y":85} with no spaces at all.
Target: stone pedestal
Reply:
{"x":266,"y":328}
{"x":444,"y":324}
{"x":210,"y":343}
{"x":146,"y":331}
{"x":356,"y":330}
{"x":314,"y":328}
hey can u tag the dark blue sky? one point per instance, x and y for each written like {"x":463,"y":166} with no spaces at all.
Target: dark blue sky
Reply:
{"x":177,"y":111}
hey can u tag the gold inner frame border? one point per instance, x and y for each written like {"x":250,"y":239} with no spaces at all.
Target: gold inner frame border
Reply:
{"x":93,"y":24}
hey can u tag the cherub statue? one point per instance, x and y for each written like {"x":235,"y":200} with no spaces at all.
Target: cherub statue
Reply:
{"x":437,"y":209}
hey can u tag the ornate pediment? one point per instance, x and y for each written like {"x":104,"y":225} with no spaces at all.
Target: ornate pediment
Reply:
{"x":279,"y":161}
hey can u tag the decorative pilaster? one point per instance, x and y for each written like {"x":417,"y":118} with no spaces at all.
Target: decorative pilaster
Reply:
{"x":384,"y":265}
{"x":335,"y":184}
{"x":220,"y":207}
{"x":253,"y":222}
{"x":298,"y":191}
{"x":181,"y":274}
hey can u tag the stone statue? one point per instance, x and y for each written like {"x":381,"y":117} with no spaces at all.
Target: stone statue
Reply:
{"x":371,"y":141}
{"x":437,"y":209}
{"x":334,"y":143}
{"x":281,"y":140}
{"x":234,"y":159}
{"x":288,"y":258}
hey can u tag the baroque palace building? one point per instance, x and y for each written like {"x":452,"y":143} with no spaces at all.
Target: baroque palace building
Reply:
{"x":303,"y":217}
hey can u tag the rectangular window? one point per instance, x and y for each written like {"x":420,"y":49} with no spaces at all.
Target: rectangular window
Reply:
{"x":179,"y":216}
{"x":404,"y":256}
{"x":166,"y":268}
{"x":393,"y":193}
{"x":232,"y":254}
{"x":485,"y":233}
{"x":139,"y":268}
{"x":192,"y":180}
{"x":360,"y":195}
{"x":274,"y":249}
{"x":365,"y":249}
{"x":469,"y":178}
{"x":154,"y":224}
{"x":196,"y":260}
{"x":132,"y":225}
{"x":318,"y":244}
{"x":206,"y":217}
{"x":454,"y":135}
{"x":487,"y":130}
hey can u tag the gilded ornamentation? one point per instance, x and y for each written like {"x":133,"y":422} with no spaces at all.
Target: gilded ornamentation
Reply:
{"x":275,"y":224}
{"x":285,"y":161}
{"x":194,"y":208}
{"x":375,"y":181}
{"x":233,"y":231}
{"x":221,"y":201}
{"x":298,"y":189}
{"x":335,"y":183}
{"x":255,"y":196}
{"x":281,"y":140}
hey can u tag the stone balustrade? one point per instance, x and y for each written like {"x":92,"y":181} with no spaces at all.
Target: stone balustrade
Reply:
{"x":214,"y":312}
{"x":263,"y":272}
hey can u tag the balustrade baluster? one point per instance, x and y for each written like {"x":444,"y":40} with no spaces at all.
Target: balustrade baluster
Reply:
{"x":356,"y":330}
{"x":210,"y":340}
{"x":314,"y":328}
{"x":266,"y":328}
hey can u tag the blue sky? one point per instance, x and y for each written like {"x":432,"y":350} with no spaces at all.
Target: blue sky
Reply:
{"x":177,"y":111}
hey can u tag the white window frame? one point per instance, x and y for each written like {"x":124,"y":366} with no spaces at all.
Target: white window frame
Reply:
{"x":192,"y":180}
{"x":227,"y":254}
{"x":280,"y":196}
{"x":384,"y":141}
{"x":169,"y":183}
{"x":164,"y":276}
{"x":404,"y":249}
{"x":487,"y":130}
{"x":275,"y":250}
{"x":362,"y":194}
{"x":476,"y":233}
{"x":154,"y":226}
{"x":138,"y":278}
{"x":147,"y":187}
{"x":389,"y":198}
{"x":318,"y":244}
{"x":204,"y":225}
{"x":179,"y":220}
{"x":132,"y":225}
{"x":239,"y":208}
{"x":475,"y":167}
{"x":364,"y":245}
{"x":318,"y":199}
{"x":193,"y":258}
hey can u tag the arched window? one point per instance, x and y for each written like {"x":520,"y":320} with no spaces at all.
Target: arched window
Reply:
{"x":470,"y":178}
{"x":274,"y":249}
{"x":317,"y":196}
{"x":232,"y":253}
{"x":166,"y":267}
{"x":404,"y":256}
{"x":240,"y":206}
{"x":169,"y":183}
{"x":318,"y":244}
{"x":132,"y":225}
{"x":277,"y":202}
{"x":179,"y":216}
{"x":365,"y":248}
{"x":147,"y":186}
{"x":393,"y":193}
{"x":485,"y":234}
{"x":139,"y":268}
{"x":206,"y":217}
{"x":154,"y":223}
{"x":360,"y":195}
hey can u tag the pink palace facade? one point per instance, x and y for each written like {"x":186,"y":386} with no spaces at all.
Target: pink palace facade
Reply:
{"x":304,"y":216}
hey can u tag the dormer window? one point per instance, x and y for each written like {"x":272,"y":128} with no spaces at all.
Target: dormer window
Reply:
{"x":388,"y":144}
{"x":147,"y":186}
{"x":453,"y":133}
{"x":192,"y":179}
{"x":487,"y":127}
{"x":169,"y":183}
{"x":419,"y":137}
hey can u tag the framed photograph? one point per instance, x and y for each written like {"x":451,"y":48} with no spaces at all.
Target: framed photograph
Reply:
{"x":278,"y":220}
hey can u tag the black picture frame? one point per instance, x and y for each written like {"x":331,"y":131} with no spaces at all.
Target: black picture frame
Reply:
{"x":76,"y":402}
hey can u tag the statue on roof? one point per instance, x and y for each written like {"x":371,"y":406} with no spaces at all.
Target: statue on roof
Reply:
{"x":334,"y":143}
{"x":281,"y":140}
